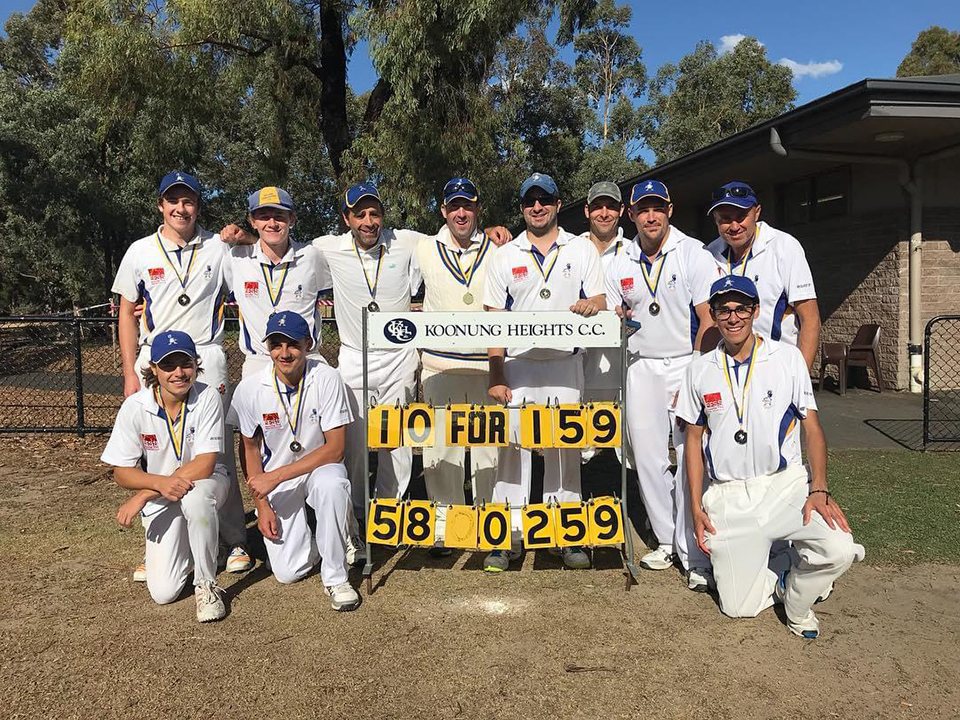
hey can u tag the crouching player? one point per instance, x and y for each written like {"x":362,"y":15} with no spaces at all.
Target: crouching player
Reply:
{"x":164,"y":445}
{"x":744,"y":403}
{"x":292,"y":418}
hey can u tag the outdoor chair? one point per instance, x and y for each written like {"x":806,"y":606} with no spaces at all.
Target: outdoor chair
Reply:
{"x":863,"y":352}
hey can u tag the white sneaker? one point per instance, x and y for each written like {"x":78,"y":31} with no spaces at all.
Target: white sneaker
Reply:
{"x":499,"y":560}
{"x":700,"y":580}
{"x":825,"y":594}
{"x":238,"y":560}
{"x":575,"y":558}
{"x":807,"y":627}
{"x":356,"y":550}
{"x":140,"y":572}
{"x":343,"y":598}
{"x":659,"y":559}
{"x":210,"y":605}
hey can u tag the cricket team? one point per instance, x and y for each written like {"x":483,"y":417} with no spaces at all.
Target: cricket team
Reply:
{"x":736,"y":506}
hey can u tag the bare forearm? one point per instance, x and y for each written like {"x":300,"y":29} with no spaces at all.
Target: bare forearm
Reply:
{"x":816,"y":451}
{"x":693,"y":464}
{"x":200,"y":468}
{"x":133,"y":478}
{"x":808,"y":312}
{"x":327,"y":454}
{"x":128,"y":337}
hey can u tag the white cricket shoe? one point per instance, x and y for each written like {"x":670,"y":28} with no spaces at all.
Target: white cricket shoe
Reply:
{"x":343,"y":598}
{"x":238,"y":560}
{"x":210,"y":605}
{"x":140,"y":572}
{"x":807,"y":627}
{"x":825,"y":594}
{"x":356,"y":550}
{"x":499,"y":560}
{"x":575,"y":558}
{"x":700,"y":580}
{"x":659,"y":559}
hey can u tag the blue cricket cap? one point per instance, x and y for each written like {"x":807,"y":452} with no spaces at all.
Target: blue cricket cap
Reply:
{"x":170,"y":342}
{"x":178,"y":178}
{"x":460,"y":187}
{"x":357,"y":192}
{"x":649,"y":188}
{"x":270,"y":197}
{"x":736,"y":193}
{"x":735,"y":284}
{"x":289,"y":324}
{"x":544,"y":182}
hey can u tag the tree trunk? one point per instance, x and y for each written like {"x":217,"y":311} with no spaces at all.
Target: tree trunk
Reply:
{"x":333,"y":83}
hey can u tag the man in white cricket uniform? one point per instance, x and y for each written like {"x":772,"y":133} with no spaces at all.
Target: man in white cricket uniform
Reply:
{"x":776,"y":263}
{"x":662,"y":281}
{"x":177,"y":274}
{"x":544,"y":268}
{"x":272,"y":274}
{"x":165,"y":444}
{"x":292,"y":417}
{"x":744,"y":403}
{"x":454,"y":267}
{"x":601,"y":366}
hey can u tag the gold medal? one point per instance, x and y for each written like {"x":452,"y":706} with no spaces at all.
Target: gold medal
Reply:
{"x":468,"y":298}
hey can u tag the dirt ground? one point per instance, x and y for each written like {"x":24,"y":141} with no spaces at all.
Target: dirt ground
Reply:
{"x":437,"y":637}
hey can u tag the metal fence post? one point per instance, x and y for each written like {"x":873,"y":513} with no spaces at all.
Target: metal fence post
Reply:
{"x":926,"y":384}
{"x":78,"y":367}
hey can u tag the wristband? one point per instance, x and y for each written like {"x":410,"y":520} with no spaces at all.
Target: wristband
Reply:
{"x":825,"y":492}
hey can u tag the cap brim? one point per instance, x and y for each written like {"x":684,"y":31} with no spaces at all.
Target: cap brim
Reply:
{"x":658,"y":196}
{"x":734,"y":291}
{"x":173,"y":351}
{"x":552,"y":192}
{"x":365,"y":195}
{"x":604,"y":195}
{"x":464,"y":195}
{"x":188,"y":186}
{"x":742,"y":203}
{"x":271,"y":205}
{"x":285,"y":334}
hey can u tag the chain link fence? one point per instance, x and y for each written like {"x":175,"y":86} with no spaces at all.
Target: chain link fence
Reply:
{"x":64,"y":374}
{"x":941,"y":383}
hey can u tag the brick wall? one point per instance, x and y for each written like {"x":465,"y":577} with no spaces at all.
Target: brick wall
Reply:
{"x":941,"y":263}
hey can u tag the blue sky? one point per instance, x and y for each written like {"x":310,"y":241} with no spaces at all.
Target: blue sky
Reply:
{"x":832,"y":43}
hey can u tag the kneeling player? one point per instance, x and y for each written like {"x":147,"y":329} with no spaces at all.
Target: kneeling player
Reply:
{"x":165,"y":444}
{"x":744,"y":402}
{"x":292,"y":417}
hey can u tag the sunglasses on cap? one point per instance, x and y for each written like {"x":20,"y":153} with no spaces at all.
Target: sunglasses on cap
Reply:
{"x":737,"y":191}
{"x":460,"y":186}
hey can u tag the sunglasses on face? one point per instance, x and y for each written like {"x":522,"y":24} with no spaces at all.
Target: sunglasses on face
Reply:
{"x":545,"y":200}
{"x":737,"y":191}
{"x":742,"y":311}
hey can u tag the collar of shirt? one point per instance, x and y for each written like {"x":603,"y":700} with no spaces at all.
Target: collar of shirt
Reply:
{"x":761,"y":238}
{"x":445,"y":237}
{"x":613,"y":247}
{"x":522,"y":242}
{"x":767,"y":347}
{"x":347,"y":243}
{"x":149,"y":402}
{"x":635,"y":251}
{"x":171,"y":245}
{"x":293,"y":251}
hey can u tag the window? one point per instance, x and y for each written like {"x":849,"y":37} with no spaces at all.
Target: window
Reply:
{"x":816,"y":197}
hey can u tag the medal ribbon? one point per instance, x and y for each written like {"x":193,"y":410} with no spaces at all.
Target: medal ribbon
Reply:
{"x":741,"y":407}
{"x":176,"y":434}
{"x":186,"y":275}
{"x":274,"y":296}
{"x":652,"y":289}
{"x":745,"y":261}
{"x":539,"y":262}
{"x":376,"y":280}
{"x":294,"y":421}
{"x":451,"y":261}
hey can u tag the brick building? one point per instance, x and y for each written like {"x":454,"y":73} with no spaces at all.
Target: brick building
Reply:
{"x":859,"y":177}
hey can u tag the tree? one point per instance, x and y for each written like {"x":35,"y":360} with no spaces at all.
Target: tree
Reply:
{"x":706,"y":97}
{"x":936,"y":51}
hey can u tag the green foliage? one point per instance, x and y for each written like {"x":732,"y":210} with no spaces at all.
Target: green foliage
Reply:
{"x":936,"y":51}
{"x":706,"y":97}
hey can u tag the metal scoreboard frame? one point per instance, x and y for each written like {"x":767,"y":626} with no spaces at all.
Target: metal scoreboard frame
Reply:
{"x":480,"y":330}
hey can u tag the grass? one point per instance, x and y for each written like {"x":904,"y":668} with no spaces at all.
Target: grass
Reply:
{"x":904,"y":507}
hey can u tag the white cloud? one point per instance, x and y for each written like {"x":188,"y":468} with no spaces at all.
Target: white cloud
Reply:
{"x":812,"y":69}
{"x":729,"y":42}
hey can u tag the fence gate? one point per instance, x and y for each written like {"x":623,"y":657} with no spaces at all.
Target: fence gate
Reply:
{"x":941,"y":383}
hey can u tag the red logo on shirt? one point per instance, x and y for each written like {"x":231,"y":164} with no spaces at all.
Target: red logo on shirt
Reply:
{"x":520,"y":273}
{"x":713,"y":401}
{"x":271,"y":421}
{"x":156,"y":275}
{"x":150,"y":442}
{"x":251,"y":289}
{"x":626,"y":285}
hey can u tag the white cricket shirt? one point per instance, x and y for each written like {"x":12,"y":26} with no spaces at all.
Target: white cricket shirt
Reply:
{"x":570,"y":271}
{"x":682,"y":281}
{"x":601,"y":366}
{"x":140,"y":435}
{"x":779,"y":268}
{"x":778,"y":396}
{"x":323,"y":407}
{"x":148,"y":273}
{"x":450,"y":273}
{"x":262,"y":289}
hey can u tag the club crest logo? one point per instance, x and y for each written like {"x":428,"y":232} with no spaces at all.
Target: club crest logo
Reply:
{"x":298,"y":293}
{"x":768,"y":399}
{"x":520,"y":273}
{"x":672,"y":283}
{"x":713,"y":402}
{"x":222,"y":389}
{"x":626,"y":285}
{"x":400,"y":331}
{"x":251,"y":288}
{"x":208,"y":273}
{"x":150,"y":442}
{"x":567,"y":270}
{"x":156,"y":276}
{"x":271,"y":421}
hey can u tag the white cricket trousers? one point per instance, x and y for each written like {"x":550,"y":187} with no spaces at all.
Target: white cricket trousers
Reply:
{"x":652,"y":385}
{"x":213,"y":360}
{"x":391,"y":378}
{"x":749,"y":515}
{"x":183,"y":536}
{"x":443,"y":465}
{"x":327,"y":491}
{"x":538,"y":382}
